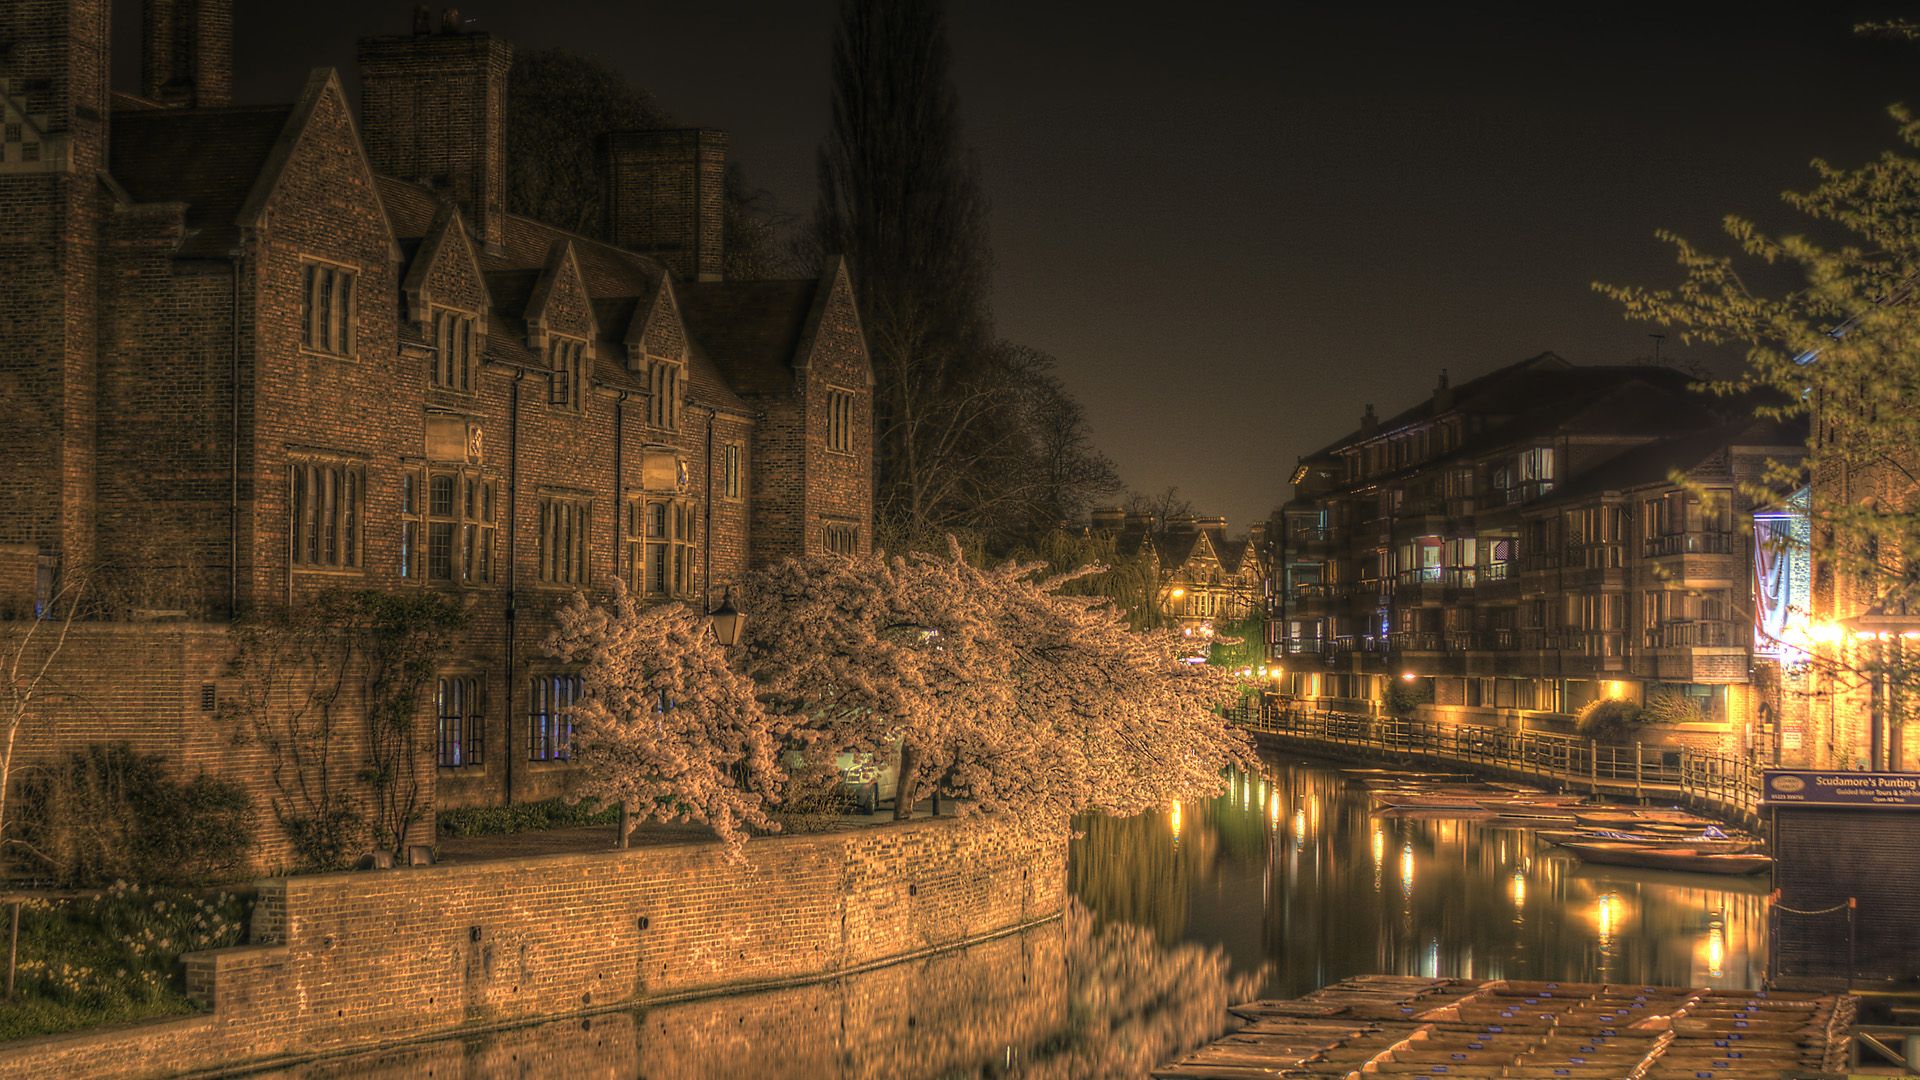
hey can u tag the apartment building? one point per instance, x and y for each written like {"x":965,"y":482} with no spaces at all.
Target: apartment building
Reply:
{"x":1511,"y":549}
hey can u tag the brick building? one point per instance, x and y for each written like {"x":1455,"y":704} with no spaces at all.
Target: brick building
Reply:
{"x":1518,"y":546}
{"x":251,"y":353}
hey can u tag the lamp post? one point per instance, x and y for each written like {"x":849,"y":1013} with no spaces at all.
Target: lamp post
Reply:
{"x":727,"y":622}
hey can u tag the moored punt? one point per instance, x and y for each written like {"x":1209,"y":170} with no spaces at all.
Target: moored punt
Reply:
{"x":1687,"y":859}
{"x":1731,"y":845}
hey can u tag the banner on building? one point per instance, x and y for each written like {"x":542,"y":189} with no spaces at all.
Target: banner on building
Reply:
{"x":1781,"y":579}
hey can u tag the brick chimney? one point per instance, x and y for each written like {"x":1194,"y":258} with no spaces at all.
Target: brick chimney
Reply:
{"x":666,"y":197}
{"x":1369,"y":423}
{"x":186,"y":52}
{"x":433,"y":108}
{"x":1442,"y":394}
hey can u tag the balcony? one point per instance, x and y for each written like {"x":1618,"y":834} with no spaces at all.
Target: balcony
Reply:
{"x":1696,"y":634}
{"x":1426,"y":584}
{"x":1695,"y":543}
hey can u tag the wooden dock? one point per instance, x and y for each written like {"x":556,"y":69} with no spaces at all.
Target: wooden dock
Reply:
{"x":1413,"y":1027}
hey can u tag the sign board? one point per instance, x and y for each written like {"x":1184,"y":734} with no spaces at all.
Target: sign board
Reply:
{"x":1857,"y":790}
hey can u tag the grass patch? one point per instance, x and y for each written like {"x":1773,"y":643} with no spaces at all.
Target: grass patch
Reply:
{"x":111,"y":957}
{"x":525,"y":817}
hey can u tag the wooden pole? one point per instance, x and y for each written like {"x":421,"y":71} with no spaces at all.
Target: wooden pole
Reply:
{"x":1639,"y":763}
{"x":13,"y":948}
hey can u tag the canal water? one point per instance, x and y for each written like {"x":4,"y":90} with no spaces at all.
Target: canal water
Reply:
{"x":1286,"y":882}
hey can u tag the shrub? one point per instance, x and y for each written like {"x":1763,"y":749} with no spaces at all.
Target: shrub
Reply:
{"x":110,"y":957}
{"x":525,"y":817}
{"x":814,"y":798}
{"x":107,"y":813}
{"x":1673,"y":707}
{"x":1405,"y":695}
{"x":1608,"y":719}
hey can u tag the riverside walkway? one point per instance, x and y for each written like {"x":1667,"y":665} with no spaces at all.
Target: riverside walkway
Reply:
{"x":1717,"y":784}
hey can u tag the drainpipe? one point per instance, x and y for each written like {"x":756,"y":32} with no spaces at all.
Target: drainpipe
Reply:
{"x":706,"y":537}
{"x":619,"y":474}
{"x":233,"y":456}
{"x":513,"y":563}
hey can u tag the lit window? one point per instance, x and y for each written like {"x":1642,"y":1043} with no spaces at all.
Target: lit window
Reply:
{"x":460,"y":704}
{"x":550,"y":716}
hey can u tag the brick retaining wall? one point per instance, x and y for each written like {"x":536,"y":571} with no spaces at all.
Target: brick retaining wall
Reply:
{"x":344,"y":961}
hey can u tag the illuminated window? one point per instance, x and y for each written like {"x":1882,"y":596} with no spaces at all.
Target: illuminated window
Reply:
{"x":327,"y":309}
{"x":326,"y":514}
{"x":460,"y":704}
{"x":550,"y":716}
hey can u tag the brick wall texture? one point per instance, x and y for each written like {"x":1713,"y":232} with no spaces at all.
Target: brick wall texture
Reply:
{"x":161,"y":381}
{"x":358,"y":960}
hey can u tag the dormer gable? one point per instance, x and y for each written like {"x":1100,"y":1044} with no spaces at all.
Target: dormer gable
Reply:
{"x":656,"y":329}
{"x":322,"y":102}
{"x":559,"y":303}
{"x":445,"y":272}
{"x":834,"y":294}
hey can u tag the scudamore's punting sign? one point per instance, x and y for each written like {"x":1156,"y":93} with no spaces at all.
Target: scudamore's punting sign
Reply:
{"x":1794,"y":787}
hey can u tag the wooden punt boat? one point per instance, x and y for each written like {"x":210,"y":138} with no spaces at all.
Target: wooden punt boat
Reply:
{"x":1733,"y":845}
{"x":1687,"y":859}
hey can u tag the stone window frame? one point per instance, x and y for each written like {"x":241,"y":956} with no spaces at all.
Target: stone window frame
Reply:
{"x":326,"y":513}
{"x":317,"y":336}
{"x":675,"y":545}
{"x":467,"y":746}
{"x":551,"y":698}
{"x":733,"y":477}
{"x":569,"y":363}
{"x":565,"y":539}
{"x":666,"y":393}
{"x":470,"y":519}
{"x":840,"y":538}
{"x":840,"y":417}
{"x":461,"y":373}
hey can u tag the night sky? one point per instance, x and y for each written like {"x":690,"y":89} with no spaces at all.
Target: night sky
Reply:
{"x":1235,"y":224}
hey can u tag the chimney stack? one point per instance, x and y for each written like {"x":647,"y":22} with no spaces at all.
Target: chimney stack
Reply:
{"x":666,"y":197}
{"x":1369,"y":423}
{"x":1442,"y":394}
{"x":433,"y":109}
{"x":186,"y":52}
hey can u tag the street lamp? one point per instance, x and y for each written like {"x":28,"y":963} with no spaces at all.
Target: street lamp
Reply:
{"x":727,"y":622}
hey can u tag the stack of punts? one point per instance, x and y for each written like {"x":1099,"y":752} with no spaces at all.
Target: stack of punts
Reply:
{"x":1380,"y":1026}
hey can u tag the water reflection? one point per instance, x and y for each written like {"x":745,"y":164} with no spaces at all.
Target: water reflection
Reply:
{"x":1318,"y":911}
{"x":1275,"y":888}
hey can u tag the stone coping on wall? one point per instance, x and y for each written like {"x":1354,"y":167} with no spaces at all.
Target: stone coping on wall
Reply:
{"x":352,"y":961}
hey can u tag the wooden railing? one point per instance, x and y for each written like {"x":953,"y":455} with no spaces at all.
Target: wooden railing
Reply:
{"x":1716,"y":781}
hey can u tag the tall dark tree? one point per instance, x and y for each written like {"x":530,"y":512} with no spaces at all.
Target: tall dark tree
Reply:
{"x":900,"y":197}
{"x":559,"y":104}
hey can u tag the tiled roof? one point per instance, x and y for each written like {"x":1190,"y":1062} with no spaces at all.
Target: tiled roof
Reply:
{"x":751,"y":329}
{"x":1654,"y":462}
{"x":206,"y":158}
{"x":616,"y":280}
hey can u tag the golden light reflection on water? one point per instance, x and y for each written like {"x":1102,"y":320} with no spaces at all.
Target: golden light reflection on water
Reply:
{"x":1469,"y":896}
{"x":1173,"y":819}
